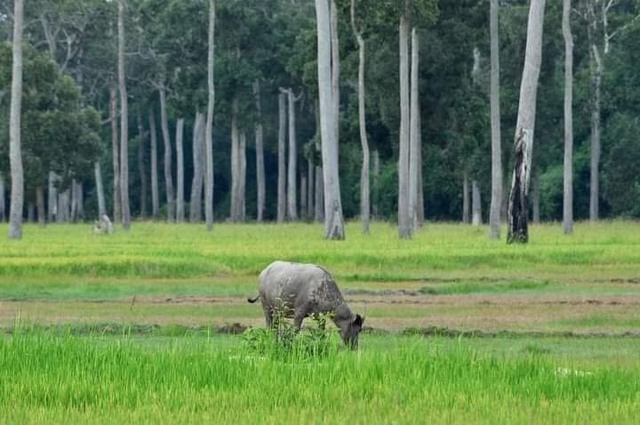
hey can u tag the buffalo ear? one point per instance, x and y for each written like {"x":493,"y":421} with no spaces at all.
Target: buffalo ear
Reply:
{"x":358,"y":321}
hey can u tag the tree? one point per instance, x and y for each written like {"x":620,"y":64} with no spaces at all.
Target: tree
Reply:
{"x":282,"y":196}
{"x":208,"y":187}
{"x":15,"y":152}
{"x":155,"y":195}
{"x":567,"y":199}
{"x":260,"y":174}
{"x":496,"y":148}
{"x":523,"y":141}
{"x":327,"y":71}
{"x":195,"y":205}
{"x":124,"y":121}
{"x":180,"y":171}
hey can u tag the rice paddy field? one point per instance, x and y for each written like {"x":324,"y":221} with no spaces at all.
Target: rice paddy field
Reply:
{"x":146,"y":326}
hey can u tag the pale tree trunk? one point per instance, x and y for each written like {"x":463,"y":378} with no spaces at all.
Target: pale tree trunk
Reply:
{"x":376,"y":182}
{"x":115,"y":151}
{"x":519,"y":198}
{"x":77,"y":201}
{"x":180,"y":171}
{"x":319,"y":195}
{"x":414,"y":134}
{"x":195,"y":205}
{"x":476,"y":207}
{"x":496,"y":143}
{"x":335,"y":67}
{"x":142,"y":172}
{"x":63,"y":207}
{"x":303,"y":195}
{"x":466,"y":205}
{"x":168,"y":176}
{"x":567,"y":198}
{"x":365,"y":192}
{"x":404,"y":216}
{"x":15,"y":149}
{"x":3,"y":207}
{"x":208,"y":139}
{"x":124,"y":122}
{"x":52,"y":211}
{"x":536,"y":198}
{"x":235,"y":163}
{"x":31,"y":212}
{"x":596,"y":81}
{"x":292,"y":190}
{"x":102,"y":209}
{"x":310,"y":186}
{"x":155,"y":195}
{"x":242,"y":186}
{"x":282,"y":117}
{"x":327,"y":76}
{"x":42,"y":216}
{"x":420,"y":188}
{"x":260,"y":173}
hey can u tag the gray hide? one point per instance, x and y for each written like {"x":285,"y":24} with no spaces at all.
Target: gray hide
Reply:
{"x":299,"y":290}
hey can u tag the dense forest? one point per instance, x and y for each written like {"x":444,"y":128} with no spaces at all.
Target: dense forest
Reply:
{"x":265,"y":122}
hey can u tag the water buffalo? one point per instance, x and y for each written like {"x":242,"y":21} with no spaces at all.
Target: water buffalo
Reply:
{"x":300,"y":290}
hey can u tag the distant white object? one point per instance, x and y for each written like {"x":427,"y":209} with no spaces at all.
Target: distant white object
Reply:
{"x":103,"y":226}
{"x":564,"y":372}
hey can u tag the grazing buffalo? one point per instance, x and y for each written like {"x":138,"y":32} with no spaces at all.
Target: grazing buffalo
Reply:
{"x":300,"y":290}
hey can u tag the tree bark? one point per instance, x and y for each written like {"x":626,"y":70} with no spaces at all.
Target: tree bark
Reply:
{"x":115,"y":151}
{"x":102,"y":209}
{"x":466,"y":210}
{"x":42,"y":216}
{"x":596,"y":81}
{"x":124,"y":122}
{"x":365,"y":192}
{"x":567,"y":198}
{"x":310,"y":187}
{"x":292,"y":190}
{"x":142,"y":172}
{"x":376,"y":182}
{"x":327,"y":84}
{"x":52,"y":211}
{"x":242,"y":186}
{"x":180,"y":171}
{"x":404,"y":216}
{"x":281,"y":158}
{"x":168,"y":176}
{"x":235,"y":163}
{"x":155,"y":195}
{"x":260,"y":173}
{"x":208,"y":139}
{"x":195,"y":205}
{"x":476,"y":207}
{"x":414,"y":134}
{"x":303,"y":195}
{"x":15,"y":149}
{"x":496,"y":143}
{"x":3,"y":207}
{"x":519,"y":197}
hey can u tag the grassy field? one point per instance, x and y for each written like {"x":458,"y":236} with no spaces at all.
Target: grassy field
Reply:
{"x":459,"y":329}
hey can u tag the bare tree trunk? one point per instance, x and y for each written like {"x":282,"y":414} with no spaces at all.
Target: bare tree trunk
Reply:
{"x":466,"y":211}
{"x":496,"y":143}
{"x":596,"y":81}
{"x":124,"y":122}
{"x":242,"y":186}
{"x":168,"y":176}
{"x":235,"y":163}
{"x":414,"y":134}
{"x":52,"y":211}
{"x":195,"y":205}
{"x":303,"y":195}
{"x":15,"y":148}
{"x":476,"y":206}
{"x":77,"y":207}
{"x":102,"y":209}
{"x":519,"y":197}
{"x":292,"y":190}
{"x":260,"y":173}
{"x":115,"y":151}
{"x":327,"y":83}
{"x":155,"y":195}
{"x":64,"y":207}
{"x":31,"y":212}
{"x":310,"y":187}
{"x":281,"y":158}
{"x":567,"y":199}
{"x":536,"y":198}
{"x":376,"y":182}
{"x":42,"y":216}
{"x":180,"y":171}
{"x":404,"y":216}
{"x":208,"y":139}
{"x":3,"y":206}
{"x":142,"y":172}
{"x":319,"y":198}
{"x":420,"y":188}
{"x":365,"y":193}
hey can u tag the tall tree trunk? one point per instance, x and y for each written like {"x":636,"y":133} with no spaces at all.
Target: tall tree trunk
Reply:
{"x":365,"y":193}
{"x":303,"y":195}
{"x":124,"y":122}
{"x":281,"y":158}
{"x":115,"y":151}
{"x":260,"y":173}
{"x":310,"y":187}
{"x":15,"y":148}
{"x":596,"y":81}
{"x":42,"y":216}
{"x":376,"y":182}
{"x":466,"y":211}
{"x":52,"y":211}
{"x":319,"y":195}
{"x":195,"y":205}
{"x":3,"y":206}
{"x":476,"y":206}
{"x":102,"y":209}
{"x":292,"y":190}
{"x":208,"y":139}
{"x":414,"y":134}
{"x":235,"y":162}
{"x":519,"y":197}
{"x":168,"y":176}
{"x":77,"y":201}
{"x":327,"y":78}
{"x":180,"y":171}
{"x":155,"y":195}
{"x":242,"y":186}
{"x":404,"y":216}
{"x":496,"y":144}
{"x":567,"y":198}
{"x":64,"y":206}
{"x":142,"y":172}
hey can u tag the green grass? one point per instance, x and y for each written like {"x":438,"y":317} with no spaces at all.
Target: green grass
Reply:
{"x":66,"y":379}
